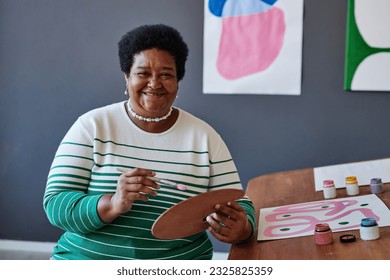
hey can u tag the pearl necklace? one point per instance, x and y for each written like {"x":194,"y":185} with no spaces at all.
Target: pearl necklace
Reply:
{"x":141,"y":118}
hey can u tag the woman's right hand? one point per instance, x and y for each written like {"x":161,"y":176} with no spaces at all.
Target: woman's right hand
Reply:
{"x":132,"y":185}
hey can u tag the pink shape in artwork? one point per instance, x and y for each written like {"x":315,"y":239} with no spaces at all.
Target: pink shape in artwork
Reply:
{"x":300,"y":215}
{"x":250,"y":43}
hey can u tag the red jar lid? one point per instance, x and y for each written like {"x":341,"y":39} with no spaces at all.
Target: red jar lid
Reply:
{"x":322,"y":227}
{"x":328,"y":183}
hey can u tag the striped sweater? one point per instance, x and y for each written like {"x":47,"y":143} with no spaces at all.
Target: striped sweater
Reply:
{"x":84,"y":169}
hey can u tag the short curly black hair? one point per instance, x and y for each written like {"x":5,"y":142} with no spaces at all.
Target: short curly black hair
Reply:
{"x":147,"y":37}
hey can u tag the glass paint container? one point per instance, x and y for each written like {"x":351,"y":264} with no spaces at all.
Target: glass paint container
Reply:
{"x":369,"y":229}
{"x":329,"y":189}
{"x":376,"y":185}
{"x":323,"y":234}
{"x":351,"y":185}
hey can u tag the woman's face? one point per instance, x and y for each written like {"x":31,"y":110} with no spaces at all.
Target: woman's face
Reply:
{"x":152,"y":83}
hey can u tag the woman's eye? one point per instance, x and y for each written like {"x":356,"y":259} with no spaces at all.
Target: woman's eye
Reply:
{"x":142,"y":74}
{"x":166,"y":75}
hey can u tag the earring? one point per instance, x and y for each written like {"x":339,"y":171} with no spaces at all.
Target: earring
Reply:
{"x":126,"y":93}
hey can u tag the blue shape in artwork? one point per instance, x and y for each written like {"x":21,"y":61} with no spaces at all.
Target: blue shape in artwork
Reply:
{"x":216,"y":7}
{"x":229,"y":8}
{"x":269,"y":2}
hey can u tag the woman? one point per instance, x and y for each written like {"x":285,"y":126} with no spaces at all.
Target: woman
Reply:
{"x":107,"y":214}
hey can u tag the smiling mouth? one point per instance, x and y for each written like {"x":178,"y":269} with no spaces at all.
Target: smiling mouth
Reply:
{"x":153,"y":94}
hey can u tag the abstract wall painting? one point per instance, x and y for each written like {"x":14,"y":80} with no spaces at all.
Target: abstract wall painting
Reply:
{"x":342,"y":214}
{"x":367,"y":58}
{"x":253,"y":46}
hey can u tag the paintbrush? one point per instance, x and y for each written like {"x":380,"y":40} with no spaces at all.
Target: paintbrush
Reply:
{"x":161,"y":181}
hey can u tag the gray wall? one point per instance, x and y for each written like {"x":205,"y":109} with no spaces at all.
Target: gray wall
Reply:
{"x":58,"y":59}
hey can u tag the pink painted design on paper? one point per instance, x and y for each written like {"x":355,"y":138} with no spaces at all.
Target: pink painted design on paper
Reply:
{"x":250,"y":43}
{"x":289,"y":216}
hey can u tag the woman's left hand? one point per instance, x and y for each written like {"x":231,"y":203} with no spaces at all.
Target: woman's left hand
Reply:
{"x":229,"y":223}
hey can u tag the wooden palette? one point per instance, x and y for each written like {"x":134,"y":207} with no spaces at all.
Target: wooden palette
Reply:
{"x":189,"y":216}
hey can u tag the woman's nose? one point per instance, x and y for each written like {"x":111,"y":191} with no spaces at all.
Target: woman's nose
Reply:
{"x":154,"y":82}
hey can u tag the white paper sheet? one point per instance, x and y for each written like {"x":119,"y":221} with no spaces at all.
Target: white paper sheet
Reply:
{"x":342,"y":214}
{"x":364,"y":172}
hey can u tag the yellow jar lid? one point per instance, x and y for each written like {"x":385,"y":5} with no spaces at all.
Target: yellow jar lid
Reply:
{"x":351,"y":180}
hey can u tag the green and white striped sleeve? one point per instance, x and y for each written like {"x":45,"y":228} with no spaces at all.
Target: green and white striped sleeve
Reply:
{"x":66,"y":200}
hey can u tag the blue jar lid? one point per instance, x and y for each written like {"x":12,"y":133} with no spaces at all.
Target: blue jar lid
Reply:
{"x":368,"y":222}
{"x":376,"y":181}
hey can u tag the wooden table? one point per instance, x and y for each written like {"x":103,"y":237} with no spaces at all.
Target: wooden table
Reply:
{"x":297,"y":186}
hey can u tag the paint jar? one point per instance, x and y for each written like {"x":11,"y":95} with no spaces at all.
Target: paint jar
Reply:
{"x":329,"y":189}
{"x":369,"y":229}
{"x":376,"y":185}
{"x":351,"y":185}
{"x":323,"y":234}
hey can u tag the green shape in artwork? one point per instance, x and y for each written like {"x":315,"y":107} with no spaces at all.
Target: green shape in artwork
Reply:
{"x":356,"y":48}
{"x":364,"y":204}
{"x":284,"y":229}
{"x":343,"y":223}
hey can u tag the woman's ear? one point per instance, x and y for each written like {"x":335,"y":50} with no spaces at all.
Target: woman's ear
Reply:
{"x":126,"y":77}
